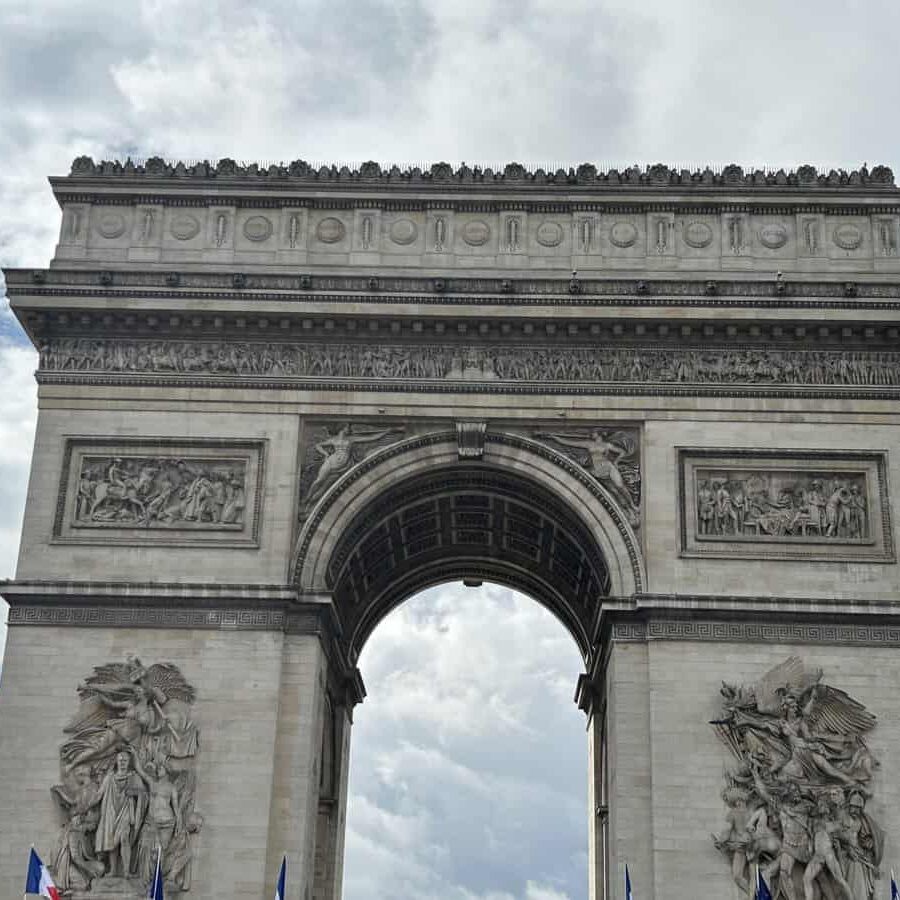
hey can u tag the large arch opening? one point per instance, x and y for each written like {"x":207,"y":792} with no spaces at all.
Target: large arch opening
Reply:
{"x":417,"y":514}
{"x":468,"y":765}
{"x":471,"y":523}
{"x":421,"y":513}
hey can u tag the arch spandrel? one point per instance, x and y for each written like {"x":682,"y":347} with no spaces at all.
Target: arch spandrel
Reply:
{"x":522,"y":515}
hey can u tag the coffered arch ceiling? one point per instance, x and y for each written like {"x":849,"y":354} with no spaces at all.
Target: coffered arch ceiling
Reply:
{"x":468,"y":521}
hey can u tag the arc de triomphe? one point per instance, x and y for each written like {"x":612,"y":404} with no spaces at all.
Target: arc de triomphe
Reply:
{"x":276,"y":402}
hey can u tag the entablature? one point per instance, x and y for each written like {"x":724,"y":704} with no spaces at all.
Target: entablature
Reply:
{"x":444,"y":220}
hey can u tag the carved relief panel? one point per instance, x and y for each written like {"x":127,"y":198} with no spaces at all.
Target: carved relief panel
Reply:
{"x":330,"y":231}
{"x":128,"y":786}
{"x":611,"y":455}
{"x":624,"y":238}
{"x":476,"y":234}
{"x":698,"y":236}
{"x":160,"y":492}
{"x":773,"y":237}
{"x":330,"y":449}
{"x":404,"y":233}
{"x":810,"y":235}
{"x":293,"y":233}
{"x":439,"y":231}
{"x":848,"y":237}
{"x":781,"y":504}
{"x":798,"y":787}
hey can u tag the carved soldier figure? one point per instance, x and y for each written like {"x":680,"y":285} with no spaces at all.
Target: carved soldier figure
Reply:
{"x":736,"y":839}
{"x":123,"y":805}
{"x":75,"y":865}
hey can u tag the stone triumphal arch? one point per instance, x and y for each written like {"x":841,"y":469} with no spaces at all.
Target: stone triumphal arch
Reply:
{"x":276,"y":402}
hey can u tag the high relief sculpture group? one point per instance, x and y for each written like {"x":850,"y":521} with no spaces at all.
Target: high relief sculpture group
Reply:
{"x":128,"y":784}
{"x":798,"y":788}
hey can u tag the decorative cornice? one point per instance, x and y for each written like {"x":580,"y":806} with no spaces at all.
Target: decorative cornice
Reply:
{"x":515,"y":175}
{"x":515,"y":292}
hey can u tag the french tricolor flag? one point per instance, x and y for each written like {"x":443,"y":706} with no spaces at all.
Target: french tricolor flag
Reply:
{"x":279,"y":887}
{"x":39,"y":880}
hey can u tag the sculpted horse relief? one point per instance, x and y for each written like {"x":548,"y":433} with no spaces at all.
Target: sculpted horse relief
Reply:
{"x":161,"y":492}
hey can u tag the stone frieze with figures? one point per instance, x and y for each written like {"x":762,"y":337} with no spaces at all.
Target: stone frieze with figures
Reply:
{"x":767,"y":504}
{"x":677,"y":366}
{"x":160,"y":491}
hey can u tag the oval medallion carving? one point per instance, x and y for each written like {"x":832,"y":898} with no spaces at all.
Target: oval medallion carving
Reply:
{"x":623,"y":234}
{"x":549,"y":234}
{"x":330,"y":230}
{"x":184,"y":227}
{"x":404,"y":231}
{"x":257,"y":229}
{"x":697,"y":235}
{"x":476,"y":233}
{"x":111,"y":225}
{"x":847,"y":237}
{"x":773,"y":236}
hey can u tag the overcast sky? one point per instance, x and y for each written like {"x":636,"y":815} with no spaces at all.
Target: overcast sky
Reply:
{"x":453,"y":791}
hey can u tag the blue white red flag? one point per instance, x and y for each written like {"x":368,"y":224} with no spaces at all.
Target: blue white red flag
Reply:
{"x":628,"y":894}
{"x":38,"y":880}
{"x":279,"y":888}
{"x":156,"y":886}
{"x":762,"y":891}
{"x":895,"y":892}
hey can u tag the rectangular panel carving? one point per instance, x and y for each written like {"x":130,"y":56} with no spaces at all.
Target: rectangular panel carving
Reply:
{"x":160,"y":491}
{"x":776,"y":504}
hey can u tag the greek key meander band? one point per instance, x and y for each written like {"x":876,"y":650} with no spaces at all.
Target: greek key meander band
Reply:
{"x":156,"y":617}
{"x":755,"y":632}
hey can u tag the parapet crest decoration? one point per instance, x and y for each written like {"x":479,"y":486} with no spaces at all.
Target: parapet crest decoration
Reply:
{"x":515,"y":174}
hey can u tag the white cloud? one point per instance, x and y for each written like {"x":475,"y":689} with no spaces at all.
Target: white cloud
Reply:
{"x":470,"y":692}
{"x":487,"y":768}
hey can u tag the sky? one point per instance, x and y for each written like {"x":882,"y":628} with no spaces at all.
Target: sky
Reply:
{"x":452,"y":795}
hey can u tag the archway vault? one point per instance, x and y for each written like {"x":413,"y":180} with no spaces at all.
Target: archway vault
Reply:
{"x":417,"y":513}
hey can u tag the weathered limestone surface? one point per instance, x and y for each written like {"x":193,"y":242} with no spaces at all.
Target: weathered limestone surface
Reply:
{"x":304,"y":395}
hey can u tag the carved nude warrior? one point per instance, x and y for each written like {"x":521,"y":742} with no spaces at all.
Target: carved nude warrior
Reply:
{"x":826,"y":822}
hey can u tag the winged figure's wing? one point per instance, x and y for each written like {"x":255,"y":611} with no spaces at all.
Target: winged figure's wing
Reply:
{"x":838,"y":713}
{"x":109,"y":675}
{"x":91,"y":714}
{"x":167,"y":678}
{"x":793,"y":674}
{"x":624,"y":440}
{"x":731,"y":738}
